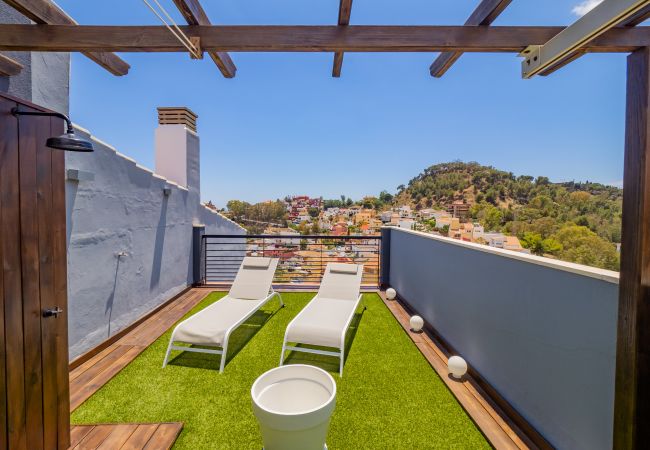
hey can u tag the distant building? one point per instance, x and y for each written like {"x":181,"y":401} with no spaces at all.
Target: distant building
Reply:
{"x":284,"y":232}
{"x":439,"y":214}
{"x":339,"y":229}
{"x":405,"y":211}
{"x":467,"y":232}
{"x":364,"y":215}
{"x":477,"y":231}
{"x":459,"y":209}
{"x":512,"y":243}
{"x":496,"y":240}
{"x":427,"y":213}
{"x":408,"y":224}
{"x":385,"y":216}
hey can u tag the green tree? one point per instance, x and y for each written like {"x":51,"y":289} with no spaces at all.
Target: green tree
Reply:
{"x":430,"y":224}
{"x":583,"y":246}
{"x":237,"y":208}
{"x":533,"y":242}
{"x":385,"y":197}
{"x":538,"y":245}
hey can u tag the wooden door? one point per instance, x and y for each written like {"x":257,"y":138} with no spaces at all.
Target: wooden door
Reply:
{"x":34,"y":407}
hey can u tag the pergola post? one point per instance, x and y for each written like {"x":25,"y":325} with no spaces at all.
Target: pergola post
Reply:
{"x":631,"y":412}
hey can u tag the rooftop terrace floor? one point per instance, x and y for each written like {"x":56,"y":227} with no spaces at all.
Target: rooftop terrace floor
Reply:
{"x":389,"y":396}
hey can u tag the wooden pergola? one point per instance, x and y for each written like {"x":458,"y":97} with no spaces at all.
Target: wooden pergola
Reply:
{"x":55,"y":31}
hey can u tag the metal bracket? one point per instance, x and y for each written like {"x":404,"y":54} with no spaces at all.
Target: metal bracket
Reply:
{"x":52,"y":312}
{"x":608,"y":14}
{"x":196,"y":43}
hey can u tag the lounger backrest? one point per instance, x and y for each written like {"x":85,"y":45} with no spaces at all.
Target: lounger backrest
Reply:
{"x":254,"y":279}
{"x":341,"y":281}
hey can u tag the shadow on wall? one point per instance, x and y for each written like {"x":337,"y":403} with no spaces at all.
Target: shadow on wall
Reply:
{"x":111,"y":297}
{"x":156,"y":264}
{"x":70,"y":197}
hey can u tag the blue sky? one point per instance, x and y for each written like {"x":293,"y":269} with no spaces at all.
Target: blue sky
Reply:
{"x":283,"y":125}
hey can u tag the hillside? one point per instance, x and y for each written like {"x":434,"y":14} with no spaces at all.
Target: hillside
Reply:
{"x":578,"y":222}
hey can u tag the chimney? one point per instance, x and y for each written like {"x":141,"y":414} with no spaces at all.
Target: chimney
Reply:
{"x":177,"y":146}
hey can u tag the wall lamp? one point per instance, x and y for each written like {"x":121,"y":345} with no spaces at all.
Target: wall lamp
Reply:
{"x":68,"y":141}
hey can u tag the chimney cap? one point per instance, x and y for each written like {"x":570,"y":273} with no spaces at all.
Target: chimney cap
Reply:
{"x":177,"y":115}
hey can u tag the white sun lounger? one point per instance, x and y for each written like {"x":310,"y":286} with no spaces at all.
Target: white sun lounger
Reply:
{"x":212,"y":326}
{"x":326,"y":318}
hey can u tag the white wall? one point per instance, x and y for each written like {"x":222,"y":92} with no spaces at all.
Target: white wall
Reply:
{"x":541,"y":332}
{"x":123,"y":209}
{"x":45,"y":77}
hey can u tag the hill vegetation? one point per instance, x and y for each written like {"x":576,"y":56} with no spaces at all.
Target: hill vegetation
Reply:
{"x":577,"y":222}
{"x":572,"y":221}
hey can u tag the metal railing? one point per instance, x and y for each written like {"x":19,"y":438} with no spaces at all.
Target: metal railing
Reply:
{"x":302,"y":258}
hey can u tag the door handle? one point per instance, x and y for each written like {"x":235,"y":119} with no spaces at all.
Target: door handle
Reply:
{"x":52,"y":312}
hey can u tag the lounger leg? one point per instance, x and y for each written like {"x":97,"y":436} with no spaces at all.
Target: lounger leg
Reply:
{"x":282,"y":354}
{"x":223,"y":355}
{"x":169,"y":350}
{"x":342,"y":359}
{"x":281,"y":302}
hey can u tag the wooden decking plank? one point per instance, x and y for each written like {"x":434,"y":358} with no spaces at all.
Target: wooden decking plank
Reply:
{"x":91,"y":363}
{"x":125,"y":436}
{"x":100,"y":366}
{"x":521,"y":440}
{"x":490,"y":429}
{"x":80,"y":395}
{"x":78,"y":432}
{"x":140,"y":436}
{"x":152,"y":329}
{"x":120,"y":434}
{"x":165,"y":436}
{"x":94,"y":439}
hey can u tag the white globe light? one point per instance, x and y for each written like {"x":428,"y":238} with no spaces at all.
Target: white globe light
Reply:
{"x":391,"y":294}
{"x":416,"y":323}
{"x":457,"y":366}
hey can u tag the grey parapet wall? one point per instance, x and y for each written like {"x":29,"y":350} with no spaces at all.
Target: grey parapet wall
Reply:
{"x":130,"y":236}
{"x":542,"y":332}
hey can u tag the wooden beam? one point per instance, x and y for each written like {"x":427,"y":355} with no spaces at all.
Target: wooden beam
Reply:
{"x":631,"y":408}
{"x":484,"y":14}
{"x":194,"y":14}
{"x":630,"y":22}
{"x":9,"y":67}
{"x":279,"y":38}
{"x":46,"y":12}
{"x":345,"y":9}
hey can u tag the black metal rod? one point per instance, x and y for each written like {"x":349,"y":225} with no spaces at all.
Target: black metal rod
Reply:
{"x":16,"y":111}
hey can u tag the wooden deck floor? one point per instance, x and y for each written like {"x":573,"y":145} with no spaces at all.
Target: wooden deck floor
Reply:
{"x":88,"y":377}
{"x":125,"y":436}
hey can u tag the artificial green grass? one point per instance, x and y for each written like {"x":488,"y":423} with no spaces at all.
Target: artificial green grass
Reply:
{"x":388,"y":398}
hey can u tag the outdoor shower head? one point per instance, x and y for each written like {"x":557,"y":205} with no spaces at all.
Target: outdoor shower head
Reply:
{"x":69,"y":141}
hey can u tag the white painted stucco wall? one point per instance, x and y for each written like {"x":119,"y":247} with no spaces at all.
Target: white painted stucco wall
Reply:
{"x":123,"y":209}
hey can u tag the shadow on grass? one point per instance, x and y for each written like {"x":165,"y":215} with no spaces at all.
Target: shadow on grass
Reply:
{"x":329,"y":363}
{"x":238,"y":339}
